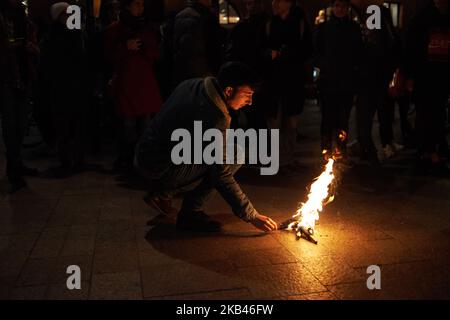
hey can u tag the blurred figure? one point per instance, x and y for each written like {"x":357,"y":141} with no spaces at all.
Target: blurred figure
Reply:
{"x":110,"y":12}
{"x":198,"y":41}
{"x":339,"y":49}
{"x":16,"y":79}
{"x":381,"y":56}
{"x":247,"y":43}
{"x":290,"y":44}
{"x":427,"y":70}
{"x":131,"y":47}
{"x":248,"y":40}
{"x":64,"y":67}
{"x":321,"y":17}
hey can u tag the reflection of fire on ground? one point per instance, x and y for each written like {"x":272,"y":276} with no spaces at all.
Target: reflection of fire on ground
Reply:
{"x":304,"y":221}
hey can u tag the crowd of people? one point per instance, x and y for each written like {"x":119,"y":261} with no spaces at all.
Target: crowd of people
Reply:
{"x":69,"y":81}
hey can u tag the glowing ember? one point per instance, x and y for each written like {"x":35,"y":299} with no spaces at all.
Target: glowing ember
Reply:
{"x":304,"y":221}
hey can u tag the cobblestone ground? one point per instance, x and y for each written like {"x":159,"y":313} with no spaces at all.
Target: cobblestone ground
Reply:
{"x":388,"y":217}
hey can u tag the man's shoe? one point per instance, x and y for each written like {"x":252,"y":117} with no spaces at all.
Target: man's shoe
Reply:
{"x":197,"y":221}
{"x":163,"y":206}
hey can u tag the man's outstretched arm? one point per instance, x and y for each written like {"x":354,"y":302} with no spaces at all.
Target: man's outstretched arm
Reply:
{"x":242,"y":207}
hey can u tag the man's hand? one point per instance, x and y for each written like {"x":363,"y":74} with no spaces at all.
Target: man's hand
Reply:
{"x":264,"y":223}
{"x":134,"y":44}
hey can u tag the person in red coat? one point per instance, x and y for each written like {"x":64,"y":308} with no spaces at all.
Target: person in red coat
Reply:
{"x":131,"y":47}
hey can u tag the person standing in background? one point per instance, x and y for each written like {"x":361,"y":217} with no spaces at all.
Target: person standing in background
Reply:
{"x":290,"y":43}
{"x":338,"y":52}
{"x":131,"y":47}
{"x":16,"y":79}
{"x":426,"y":69}
{"x":64,"y":66}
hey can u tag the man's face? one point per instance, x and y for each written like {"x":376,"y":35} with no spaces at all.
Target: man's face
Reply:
{"x":340,"y":8}
{"x":442,"y":5}
{"x":239,"y":97}
{"x":136,"y":8}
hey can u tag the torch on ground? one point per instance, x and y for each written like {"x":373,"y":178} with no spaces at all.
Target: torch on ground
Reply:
{"x":302,"y":232}
{"x":320,"y":194}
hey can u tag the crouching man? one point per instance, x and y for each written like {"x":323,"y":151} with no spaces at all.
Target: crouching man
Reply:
{"x":207,"y":100}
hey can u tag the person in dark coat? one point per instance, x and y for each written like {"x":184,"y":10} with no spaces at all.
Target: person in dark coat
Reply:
{"x":382,"y":50}
{"x":197,"y":41}
{"x":207,"y":100}
{"x":248,"y":39}
{"x":338,"y":50}
{"x":247,"y":43}
{"x":16,"y":80}
{"x":63,"y":64}
{"x":427,"y":69}
{"x":131,"y":46}
{"x":290,"y":44}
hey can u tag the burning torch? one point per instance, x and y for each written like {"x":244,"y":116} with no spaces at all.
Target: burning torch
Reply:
{"x":302,"y":232}
{"x":304,"y":220}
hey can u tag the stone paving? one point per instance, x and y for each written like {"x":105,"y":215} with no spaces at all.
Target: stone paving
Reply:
{"x":98,"y":221}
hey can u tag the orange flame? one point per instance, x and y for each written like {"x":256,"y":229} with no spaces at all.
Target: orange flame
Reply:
{"x":319,"y":196}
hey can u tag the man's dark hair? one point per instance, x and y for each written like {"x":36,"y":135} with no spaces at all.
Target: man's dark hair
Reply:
{"x":235,"y":74}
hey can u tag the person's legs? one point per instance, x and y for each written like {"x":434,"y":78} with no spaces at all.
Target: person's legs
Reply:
{"x":436,"y":125}
{"x":292,"y":103}
{"x":365,"y":112}
{"x":404,"y":104}
{"x":385,"y":119}
{"x":127,"y":139}
{"x":424,"y":124}
{"x":15,"y":123}
{"x":63,"y":126}
{"x":194,"y":199}
{"x":10,"y":134}
{"x":196,"y":184}
{"x":344,"y":107}
{"x":79,"y":137}
{"x":328,"y":109}
{"x":191,"y":216}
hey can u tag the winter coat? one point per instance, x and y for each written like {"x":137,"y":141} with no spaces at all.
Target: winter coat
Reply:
{"x":134,"y":84}
{"x":382,"y":52}
{"x":197,"y":43}
{"x":427,"y":51}
{"x":338,"y":52}
{"x":247,"y":43}
{"x":63,"y":69}
{"x":16,"y":65}
{"x":292,"y":38}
